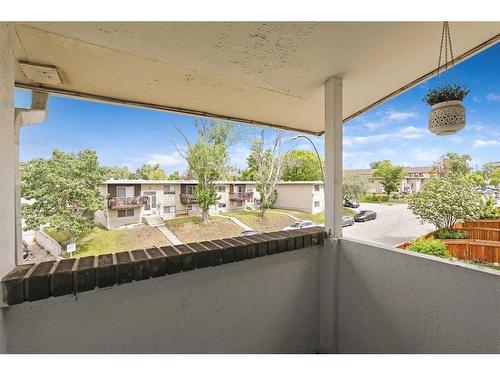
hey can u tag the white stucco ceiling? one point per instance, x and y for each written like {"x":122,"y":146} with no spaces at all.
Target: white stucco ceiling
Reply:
{"x":269,"y":73}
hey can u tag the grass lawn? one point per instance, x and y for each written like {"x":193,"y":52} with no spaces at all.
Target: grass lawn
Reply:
{"x":317,"y":218}
{"x":273,"y":222}
{"x":191,"y":229}
{"x":102,"y":241}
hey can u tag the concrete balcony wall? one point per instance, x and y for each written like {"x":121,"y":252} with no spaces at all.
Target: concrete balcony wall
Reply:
{"x":396,"y":302}
{"x":263,"y":305}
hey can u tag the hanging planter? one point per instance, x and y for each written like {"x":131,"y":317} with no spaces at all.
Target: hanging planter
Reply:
{"x":447,"y":114}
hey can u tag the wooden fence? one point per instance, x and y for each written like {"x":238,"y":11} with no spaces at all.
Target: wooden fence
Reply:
{"x":487,"y":223}
{"x":483,"y":243}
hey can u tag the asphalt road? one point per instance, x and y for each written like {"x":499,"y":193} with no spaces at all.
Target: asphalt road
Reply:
{"x":393,"y":225}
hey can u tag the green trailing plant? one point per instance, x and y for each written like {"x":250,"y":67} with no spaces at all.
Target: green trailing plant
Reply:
{"x":445,"y":93}
{"x":429,"y":246}
{"x":452,"y":234}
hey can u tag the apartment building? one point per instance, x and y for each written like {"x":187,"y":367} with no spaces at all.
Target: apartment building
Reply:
{"x":411,"y":183}
{"x":128,"y":201}
{"x":306,"y":196}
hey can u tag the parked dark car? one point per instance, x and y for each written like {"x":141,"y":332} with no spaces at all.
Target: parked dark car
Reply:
{"x":246,"y":233}
{"x":351,"y":203}
{"x":366,"y":215}
{"x":347,"y":221}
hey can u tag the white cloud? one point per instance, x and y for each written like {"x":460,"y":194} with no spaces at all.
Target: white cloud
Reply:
{"x":239,"y":155}
{"x":456,"y":139}
{"x":493,"y":97}
{"x":407,"y":132}
{"x":167,"y":160}
{"x":400,"y":116}
{"x":374,"y":125}
{"x":483,"y":143}
{"x":424,"y":155}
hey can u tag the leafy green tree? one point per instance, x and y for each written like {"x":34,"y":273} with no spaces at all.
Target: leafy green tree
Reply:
{"x":208,"y":160}
{"x":444,"y":201}
{"x":476,"y":177}
{"x":117,"y":173}
{"x":490,"y":210}
{"x":390,"y":175}
{"x":494,"y":177}
{"x":353,"y":186}
{"x":150,"y":172}
{"x":63,"y":190}
{"x":452,"y":163}
{"x":266,"y":168}
{"x":301,"y":166}
{"x":489,"y":169}
{"x":174,"y":176}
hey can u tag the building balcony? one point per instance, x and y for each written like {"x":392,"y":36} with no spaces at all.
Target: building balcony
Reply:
{"x":188,"y":199}
{"x":240,"y":196}
{"x":117,"y":203}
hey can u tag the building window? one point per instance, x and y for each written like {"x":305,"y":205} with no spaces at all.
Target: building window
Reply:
{"x":190,"y":189}
{"x":189,"y":207}
{"x":221,"y":205}
{"x":239,"y":203}
{"x":124,"y":191}
{"x":168,"y":189}
{"x":249,"y":190}
{"x":121,"y":191}
{"x":316,"y":203}
{"x":221,"y":188}
{"x":316,"y":187}
{"x":126,"y":213}
{"x":169,"y":209}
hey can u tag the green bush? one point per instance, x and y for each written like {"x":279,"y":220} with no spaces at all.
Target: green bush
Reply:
{"x":489,"y":209}
{"x":395,"y":196}
{"x":429,"y":246}
{"x":452,"y":234}
{"x":375,"y":198}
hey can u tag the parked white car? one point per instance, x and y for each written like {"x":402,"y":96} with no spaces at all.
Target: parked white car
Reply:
{"x":300,"y":225}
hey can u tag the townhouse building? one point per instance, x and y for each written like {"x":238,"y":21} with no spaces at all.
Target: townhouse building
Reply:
{"x":127,"y":202}
{"x":411,"y":183}
{"x":306,"y":196}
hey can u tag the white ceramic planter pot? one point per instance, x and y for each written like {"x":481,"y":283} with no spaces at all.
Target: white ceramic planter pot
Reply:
{"x":447,"y":118}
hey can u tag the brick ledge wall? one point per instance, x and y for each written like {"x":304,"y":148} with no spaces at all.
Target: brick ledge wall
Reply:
{"x":72,"y":276}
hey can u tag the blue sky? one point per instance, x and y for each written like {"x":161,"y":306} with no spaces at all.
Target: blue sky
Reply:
{"x":395,"y":130}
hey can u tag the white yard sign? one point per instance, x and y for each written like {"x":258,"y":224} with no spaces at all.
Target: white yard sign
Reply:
{"x":71,"y":248}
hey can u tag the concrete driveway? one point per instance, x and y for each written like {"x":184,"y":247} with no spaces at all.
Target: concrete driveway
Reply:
{"x":393,"y":225}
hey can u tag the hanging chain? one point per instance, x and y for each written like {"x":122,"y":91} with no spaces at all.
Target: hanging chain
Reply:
{"x":446,"y":40}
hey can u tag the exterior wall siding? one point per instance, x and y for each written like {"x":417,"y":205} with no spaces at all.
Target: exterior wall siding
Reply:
{"x":211,"y":310}
{"x":298,"y":197}
{"x":115,"y":221}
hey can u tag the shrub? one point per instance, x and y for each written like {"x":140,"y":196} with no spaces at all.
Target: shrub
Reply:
{"x":444,"y":201}
{"x":452,"y":234}
{"x":396,"y":196}
{"x":375,"y":198}
{"x":445,"y":93}
{"x":489,"y":209}
{"x":429,"y":246}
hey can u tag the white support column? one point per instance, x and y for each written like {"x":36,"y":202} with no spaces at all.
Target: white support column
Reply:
{"x":329,"y":255}
{"x":7,"y":151}
{"x":333,"y":156}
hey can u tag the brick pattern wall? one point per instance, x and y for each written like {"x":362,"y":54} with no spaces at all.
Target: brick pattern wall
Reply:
{"x":72,"y":276}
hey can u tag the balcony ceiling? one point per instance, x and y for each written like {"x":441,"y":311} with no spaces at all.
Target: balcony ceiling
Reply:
{"x":267,"y":73}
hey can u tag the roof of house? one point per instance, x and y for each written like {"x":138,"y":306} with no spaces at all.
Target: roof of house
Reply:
{"x":407,"y":170}
{"x":194,"y":182}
